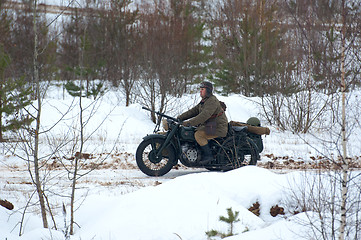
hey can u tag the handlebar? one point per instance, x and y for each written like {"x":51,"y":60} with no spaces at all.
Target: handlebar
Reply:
{"x":162,"y":114}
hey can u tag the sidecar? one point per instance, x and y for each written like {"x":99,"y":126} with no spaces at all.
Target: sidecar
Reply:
{"x":254,"y":132}
{"x":240,"y":147}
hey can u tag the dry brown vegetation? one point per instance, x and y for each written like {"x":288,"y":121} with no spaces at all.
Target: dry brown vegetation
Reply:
{"x":318,"y":162}
{"x":274,"y":211}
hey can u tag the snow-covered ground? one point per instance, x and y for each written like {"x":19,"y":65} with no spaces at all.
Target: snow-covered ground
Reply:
{"x":117,"y":201}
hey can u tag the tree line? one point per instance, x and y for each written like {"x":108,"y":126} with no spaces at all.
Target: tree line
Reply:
{"x":157,"y":50}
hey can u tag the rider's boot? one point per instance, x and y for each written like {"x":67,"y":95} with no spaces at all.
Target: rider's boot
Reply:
{"x":206,"y":155}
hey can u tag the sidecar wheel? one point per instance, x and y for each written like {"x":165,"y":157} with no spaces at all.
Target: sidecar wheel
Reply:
{"x":147,"y":159}
{"x":250,"y":155}
{"x":234,"y":157}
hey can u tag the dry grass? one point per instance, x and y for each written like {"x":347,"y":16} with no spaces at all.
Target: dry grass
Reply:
{"x":317,"y":162}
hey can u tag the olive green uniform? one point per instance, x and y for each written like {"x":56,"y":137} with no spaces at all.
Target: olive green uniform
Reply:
{"x":208,"y":110}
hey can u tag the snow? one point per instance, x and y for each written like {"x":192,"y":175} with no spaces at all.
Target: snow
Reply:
{"x":120,"y":202}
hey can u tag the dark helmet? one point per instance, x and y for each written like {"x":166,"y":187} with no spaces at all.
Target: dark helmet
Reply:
{"x":254,"y":121}
{"x":208,"y":86}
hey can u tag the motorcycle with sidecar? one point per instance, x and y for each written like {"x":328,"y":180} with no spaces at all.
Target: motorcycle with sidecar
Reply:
{"x":160,"y":151}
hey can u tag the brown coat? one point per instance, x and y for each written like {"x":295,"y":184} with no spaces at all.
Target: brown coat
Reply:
{"x":209,"y":109}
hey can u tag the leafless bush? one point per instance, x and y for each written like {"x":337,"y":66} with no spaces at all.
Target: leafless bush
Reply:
{"x":298,"y":112}
{"x":318,"y":197}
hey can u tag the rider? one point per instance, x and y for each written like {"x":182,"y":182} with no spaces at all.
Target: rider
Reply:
{"x":210,"y":119}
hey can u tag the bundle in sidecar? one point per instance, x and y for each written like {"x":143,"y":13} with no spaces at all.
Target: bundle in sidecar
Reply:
{"x":254,"y":130}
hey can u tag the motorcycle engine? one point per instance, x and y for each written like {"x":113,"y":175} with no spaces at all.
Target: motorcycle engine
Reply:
{"x":190,"y":155}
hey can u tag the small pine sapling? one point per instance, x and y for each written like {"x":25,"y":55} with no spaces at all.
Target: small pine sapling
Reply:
{"x":231,"y":219}
{"x":14,"y":98}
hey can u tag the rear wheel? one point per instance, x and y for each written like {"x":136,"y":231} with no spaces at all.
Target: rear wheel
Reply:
{"x":248,"y":153}
{"x":233,"y":156}
{"x":151,"y":163}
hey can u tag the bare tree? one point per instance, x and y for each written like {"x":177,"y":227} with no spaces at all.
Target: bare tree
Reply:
{"x":336,"y":216}
{"x":36,"y":45}
{"x":318,"y":67}
{"x":171,"y":46}
{"x":251,"y":48}
{"x":29,"y":136}
{"x":73,"y":158}
{"x":316,"y":194}
{"x":36,"y":179}
{"x":121,"y":45}
{"x":345,"y":160}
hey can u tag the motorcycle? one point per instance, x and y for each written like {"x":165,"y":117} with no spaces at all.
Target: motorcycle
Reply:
{"x":159,"y":152}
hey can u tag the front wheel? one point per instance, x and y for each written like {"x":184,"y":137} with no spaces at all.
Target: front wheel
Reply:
{"x":151,"y":163}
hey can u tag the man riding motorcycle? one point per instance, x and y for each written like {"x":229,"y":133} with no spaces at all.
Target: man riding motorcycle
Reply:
{"x":210,"y":119}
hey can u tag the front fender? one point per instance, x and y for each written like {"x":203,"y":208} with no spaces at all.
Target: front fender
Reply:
{"x":164,"y":137}
{"x":149,"y":136}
